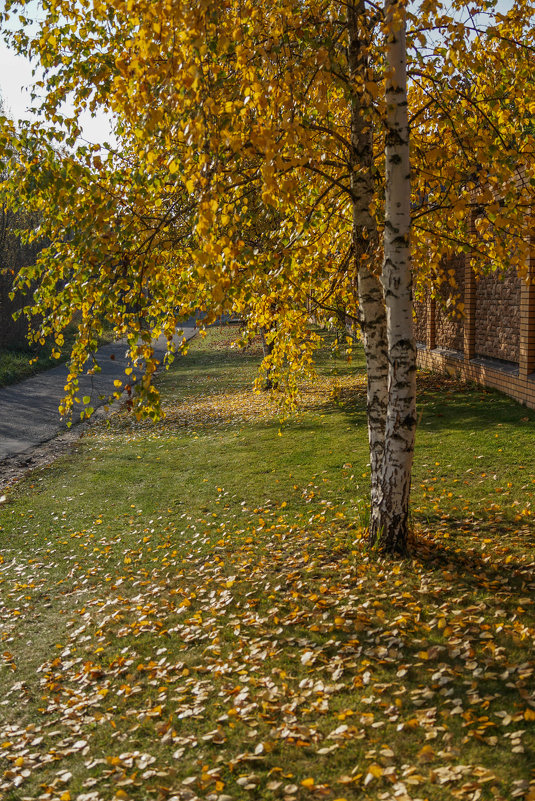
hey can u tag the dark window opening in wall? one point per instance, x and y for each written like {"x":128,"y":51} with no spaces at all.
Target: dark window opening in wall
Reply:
{"x":503,"y":365}
{"x":450,"y":353}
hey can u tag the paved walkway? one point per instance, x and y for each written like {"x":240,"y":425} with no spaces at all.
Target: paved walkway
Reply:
{"x":29,"y":411}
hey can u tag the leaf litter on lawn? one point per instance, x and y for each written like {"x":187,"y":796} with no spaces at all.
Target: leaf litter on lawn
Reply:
{"x":266,"y":655}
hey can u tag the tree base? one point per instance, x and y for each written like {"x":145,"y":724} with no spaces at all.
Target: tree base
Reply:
{"x":389,"y":536}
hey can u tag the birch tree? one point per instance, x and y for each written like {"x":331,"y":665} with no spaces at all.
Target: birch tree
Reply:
{"x":390,"y":513}
{"x":263,"y":166}
{"x":372,"y":316}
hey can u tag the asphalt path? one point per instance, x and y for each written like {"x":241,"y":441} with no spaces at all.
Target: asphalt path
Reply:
{"x":29,"y":412}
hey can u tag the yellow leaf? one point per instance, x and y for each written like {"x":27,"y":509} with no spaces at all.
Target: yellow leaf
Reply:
{"x":308,"y":782}
{"x":117,"y":383}
{"x":372,"y":88}
{"x":426,"y":754}
{"x":529,"y":714}
{"x":66,"y":796}
{"x":375,"y":770}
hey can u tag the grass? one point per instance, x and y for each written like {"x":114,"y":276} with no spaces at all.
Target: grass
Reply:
{"x":16,"y":364}
{"x":189,"y":610}
{"x":22,"y":362}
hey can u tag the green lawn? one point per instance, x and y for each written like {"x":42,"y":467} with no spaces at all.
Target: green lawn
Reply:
{"x":189,"y":610}
{"x":22,"y":362}
{"x":16,"y":364}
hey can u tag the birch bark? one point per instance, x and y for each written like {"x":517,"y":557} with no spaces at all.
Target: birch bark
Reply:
{"x":365,"y":243}
{"x":389,"y":519}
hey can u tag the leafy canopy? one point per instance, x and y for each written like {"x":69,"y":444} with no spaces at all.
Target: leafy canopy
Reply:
{"x":230,"y":185}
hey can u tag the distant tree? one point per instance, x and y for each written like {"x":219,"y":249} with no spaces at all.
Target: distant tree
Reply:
{"x":15,"y":255}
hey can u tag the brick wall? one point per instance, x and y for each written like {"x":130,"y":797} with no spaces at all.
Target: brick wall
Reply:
{"x":449,"y":325}
{"x":420,"y":320}
{"x":499,"y":323}
{"x":521,"y":388}
{"x":497,"y":315}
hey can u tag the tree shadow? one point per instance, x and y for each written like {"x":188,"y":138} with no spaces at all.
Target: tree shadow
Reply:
{"x":469,"y":568}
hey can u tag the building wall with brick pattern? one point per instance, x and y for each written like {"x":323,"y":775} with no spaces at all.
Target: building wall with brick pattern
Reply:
{"x":497,"y":333}
{"x":494,"y":343}
{"x":420,"y":320}
{"x":449,"y":326}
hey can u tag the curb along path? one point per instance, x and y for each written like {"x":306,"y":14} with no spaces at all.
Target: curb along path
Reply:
{"x":29,"y":412}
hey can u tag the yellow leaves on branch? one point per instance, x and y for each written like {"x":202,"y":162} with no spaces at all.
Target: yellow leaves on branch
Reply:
{"x":231,"y":179}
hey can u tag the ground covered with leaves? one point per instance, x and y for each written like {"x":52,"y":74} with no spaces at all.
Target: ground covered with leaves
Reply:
{"x":189,"y":611}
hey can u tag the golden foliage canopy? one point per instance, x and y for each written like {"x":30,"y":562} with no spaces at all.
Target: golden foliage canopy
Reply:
{"x":229,"y":187}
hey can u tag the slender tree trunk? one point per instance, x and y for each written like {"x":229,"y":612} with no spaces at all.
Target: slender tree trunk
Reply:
{"x":267,"y":349}
{"x":390,"y":516}
{"x":365,"y":243}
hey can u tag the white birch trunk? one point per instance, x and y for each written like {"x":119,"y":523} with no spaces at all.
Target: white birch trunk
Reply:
{"x":389,"y":521}
{"x":365,"y":243}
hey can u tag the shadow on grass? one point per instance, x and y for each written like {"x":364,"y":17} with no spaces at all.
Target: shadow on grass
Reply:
{"x":449,"y":403}
{"x":468,"y":568}
{"x":444,"y":403}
